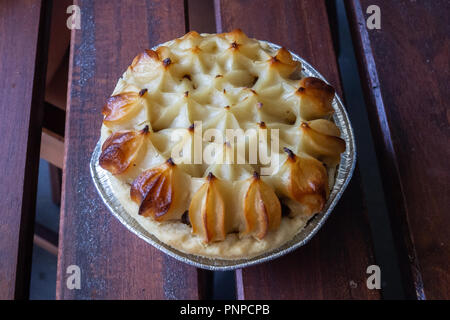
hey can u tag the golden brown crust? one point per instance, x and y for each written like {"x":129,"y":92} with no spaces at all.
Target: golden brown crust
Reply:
{"x":154,"y":191}
{"x":284,"y":63}
{"x":119,"y":106}
{"x":144,"y":57}
{"x":190,"y":35}
{"x":320,"y":143}
{"x":120,"y":149}
{"x":151,"y":61}
{"x":262,"y":209}
{"x":316,"y":97}
{"x":237,"y":36}
{"x":207,"y":212}
{"x":307,"y":182}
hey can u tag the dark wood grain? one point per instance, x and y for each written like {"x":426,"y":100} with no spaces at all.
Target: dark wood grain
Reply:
{"x":22,"y":79}
{"x":59,"y":39}
{"x":405,"y":68}
{"x":201,"y":16}
{"x":55,"y":177}
{"x":115,"y":264}
{"x":333,"y":265}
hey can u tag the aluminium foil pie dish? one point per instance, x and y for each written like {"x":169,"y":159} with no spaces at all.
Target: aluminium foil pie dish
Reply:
{"x":223,"y":151}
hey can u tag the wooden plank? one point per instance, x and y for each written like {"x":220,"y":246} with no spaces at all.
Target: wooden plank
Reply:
{"x":44,"y":244}
{"x":23,"y":48}
{"x":52,"y":148}
{"x":333,"y":265}
{"x":55,"y":176}
{"x":114,"y":263}
{"x":58,"y":56}
{"x":46,"y":238}
{"x":52,"y":141}
{"x":201,"y":16}
{"x":59,"y":40}
{"x":56,"y":89}
{"x":405,"y":71}
{"x":54,"y":118}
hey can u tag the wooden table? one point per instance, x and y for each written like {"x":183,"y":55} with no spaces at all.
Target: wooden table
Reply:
{"x":405,"y":85}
